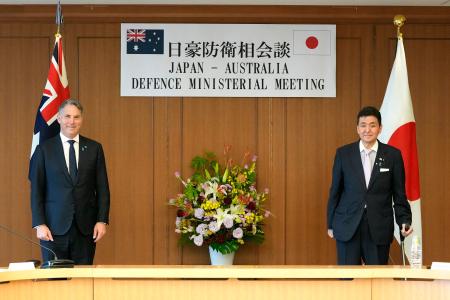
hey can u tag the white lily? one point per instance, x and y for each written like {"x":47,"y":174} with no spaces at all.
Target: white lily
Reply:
{"x":211,"y":188}
{"x":236,"y":210}
{"x":221,"y":215}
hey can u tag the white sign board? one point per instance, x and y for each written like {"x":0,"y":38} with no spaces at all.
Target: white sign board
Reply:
{"x":228,"y":60}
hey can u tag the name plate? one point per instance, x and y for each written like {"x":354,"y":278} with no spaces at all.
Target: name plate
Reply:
{"x":228,"y":60}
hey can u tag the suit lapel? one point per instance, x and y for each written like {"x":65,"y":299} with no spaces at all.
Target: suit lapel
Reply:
{"x":82,"y":152}
{"x":357,"y":164}
{"x":376,"y":167}
{"x":61,"y":159}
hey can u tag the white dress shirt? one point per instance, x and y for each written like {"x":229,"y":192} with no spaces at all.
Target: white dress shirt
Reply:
{"x":66,"y":147}
{"x":372,"y":154}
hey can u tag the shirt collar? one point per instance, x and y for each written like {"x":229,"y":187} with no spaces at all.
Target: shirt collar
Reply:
{"x":64,"y":139}
{"x":374,"y":147}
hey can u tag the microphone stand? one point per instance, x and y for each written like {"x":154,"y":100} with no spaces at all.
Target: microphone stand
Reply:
{"x":402,"y":246}
{"x":51,"y":264}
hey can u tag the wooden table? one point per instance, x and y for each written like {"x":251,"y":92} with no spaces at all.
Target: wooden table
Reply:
{"x":235,"y":282}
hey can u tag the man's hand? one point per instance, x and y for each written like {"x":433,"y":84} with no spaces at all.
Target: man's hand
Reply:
{"x":330,"y":233}
{"x":43,"y":233}
{"x":405,"y":232}
{"x":99,"y":231}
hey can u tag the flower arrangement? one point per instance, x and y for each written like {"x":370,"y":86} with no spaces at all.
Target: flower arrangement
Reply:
{"x":220,"y":205}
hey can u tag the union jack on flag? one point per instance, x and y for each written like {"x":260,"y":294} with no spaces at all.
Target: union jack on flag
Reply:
{"x":136,"y":35}
{"x":55,"y":92}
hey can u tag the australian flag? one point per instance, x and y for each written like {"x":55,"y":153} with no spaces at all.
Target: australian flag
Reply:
{"x":55,"y":92}
{"x":145,"y":41}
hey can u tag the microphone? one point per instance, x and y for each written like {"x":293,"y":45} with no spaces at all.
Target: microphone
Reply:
{"x":402,"y":238}
{"x":51,"y":264}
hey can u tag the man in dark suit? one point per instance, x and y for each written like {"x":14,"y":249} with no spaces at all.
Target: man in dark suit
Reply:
{"x":69,"y":190}
{"x":368,"y":186}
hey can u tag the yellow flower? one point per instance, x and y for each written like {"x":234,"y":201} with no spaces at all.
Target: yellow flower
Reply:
{"x":241,"y":178}
{"x":250,"y":218}
{"x":210,"y":205}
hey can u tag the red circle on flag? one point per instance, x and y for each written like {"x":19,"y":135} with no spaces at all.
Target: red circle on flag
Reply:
{"x":312,"y":42}
{"x":404,"y":138}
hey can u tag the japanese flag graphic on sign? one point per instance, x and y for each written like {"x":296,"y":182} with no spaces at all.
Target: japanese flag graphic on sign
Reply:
{"x":312,"y":42}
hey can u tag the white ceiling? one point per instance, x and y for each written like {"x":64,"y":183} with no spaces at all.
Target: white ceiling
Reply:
{"x":246,"y":2}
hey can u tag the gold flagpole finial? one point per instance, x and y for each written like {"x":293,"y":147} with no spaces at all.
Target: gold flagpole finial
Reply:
{"x":399,"y":21}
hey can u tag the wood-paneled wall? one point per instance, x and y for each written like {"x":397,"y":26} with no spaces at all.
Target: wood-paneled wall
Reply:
{"x":147,"y":139}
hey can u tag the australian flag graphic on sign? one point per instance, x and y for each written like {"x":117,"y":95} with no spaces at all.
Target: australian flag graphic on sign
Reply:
{"x":145,"y":41}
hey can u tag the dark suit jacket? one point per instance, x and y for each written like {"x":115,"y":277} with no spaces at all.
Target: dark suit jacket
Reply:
{"x":349,"y":195}
{"x":56,"y":200}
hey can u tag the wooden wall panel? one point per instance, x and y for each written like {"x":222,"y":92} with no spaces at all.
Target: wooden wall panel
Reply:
{"x":125,"y":128}
{"x":167,"y":156}
{"x":431,"y":58}
{"x":272,"y":128}
{"x":21,"y":73}
{"x":146,"y":140}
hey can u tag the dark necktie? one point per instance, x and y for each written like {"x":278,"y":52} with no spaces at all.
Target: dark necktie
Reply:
{"x":72,"y":161}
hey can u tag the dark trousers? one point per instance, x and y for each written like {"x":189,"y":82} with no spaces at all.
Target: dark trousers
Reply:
{"x":72,"y":245}
{"x":361,"y":248}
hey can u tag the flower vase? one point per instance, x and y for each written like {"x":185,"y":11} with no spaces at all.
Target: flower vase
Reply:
{"x":219,"y":259}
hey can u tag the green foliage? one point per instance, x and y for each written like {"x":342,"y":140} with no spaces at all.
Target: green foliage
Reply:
{"x":191,"y":192}
{"x":184,"y":240}
{"x":226,"y":247}
{"x":208,"y":176}
{"x":198,"y":163}
{"x":257,"y":238}
{"x":251,"y":177}
{"x":225,"y":175}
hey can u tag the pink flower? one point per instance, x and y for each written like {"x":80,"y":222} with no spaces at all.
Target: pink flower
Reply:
{"x":213,"y":226}
{"x":222,"y":189}
{"x":198,"y":240}
{"x":228,"y":222}
{"x":177,"y":175}
{"x":238,"y":233}
{"x":198,"y":213}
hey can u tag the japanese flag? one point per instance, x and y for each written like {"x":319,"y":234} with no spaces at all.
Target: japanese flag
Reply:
{"x":399,"y":130}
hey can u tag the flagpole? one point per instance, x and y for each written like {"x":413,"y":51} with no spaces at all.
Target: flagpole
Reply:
{"x":59,"y":19}
{"x":399,"y":21}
